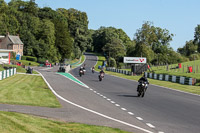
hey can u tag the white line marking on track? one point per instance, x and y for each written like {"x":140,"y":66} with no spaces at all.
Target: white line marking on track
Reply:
{"x":161,"y":132}
{"x":131,"y":113}
{"x":139,"y":118}
{"x":117,"y":105}
{"x":108,"y":99}
{"x":150,"y":125}
{"x":123,"y":108}
{"x":112,"y":101}
{"x":92,"y":111}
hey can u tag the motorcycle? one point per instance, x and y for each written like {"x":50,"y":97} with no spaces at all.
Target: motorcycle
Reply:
{"x":92,"y":70}
{"x":81,"y":73}
{"x":101,"y":76}
{"x":142,"y":87}
{"x":84,"y":71}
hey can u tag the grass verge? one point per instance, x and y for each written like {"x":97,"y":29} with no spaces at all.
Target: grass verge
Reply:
{"x":21,"y":123}
{"x":27,"y":90}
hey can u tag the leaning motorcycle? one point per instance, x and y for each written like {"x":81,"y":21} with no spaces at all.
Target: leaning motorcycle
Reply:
{"x":101,"y":76}
{"x":142,"y":87}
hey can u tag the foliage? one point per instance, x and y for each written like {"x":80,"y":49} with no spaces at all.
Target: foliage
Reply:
{"x":192,"y":47}
{"x":104,"y":35}
{"x":151,"y":41}
{"x":112,"y":62}
{"x":30,"y":58}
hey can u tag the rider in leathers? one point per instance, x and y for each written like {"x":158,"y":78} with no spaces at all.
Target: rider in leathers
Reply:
{"x":144,"y":79}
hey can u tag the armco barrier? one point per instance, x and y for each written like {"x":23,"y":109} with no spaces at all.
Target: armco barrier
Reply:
{"x":172,"y":78}
{"x":118,"y":71}
{"x":7,"y":73}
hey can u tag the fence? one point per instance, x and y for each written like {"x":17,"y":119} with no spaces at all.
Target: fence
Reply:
{"x":7,"y":73}
{"x":172,"y":78}
{"x":118,"y":71}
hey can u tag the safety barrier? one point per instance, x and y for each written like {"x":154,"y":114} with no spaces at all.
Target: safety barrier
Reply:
{"x":172,"y":78}
{"x":7,"y":73}
{"x":118,"y":71}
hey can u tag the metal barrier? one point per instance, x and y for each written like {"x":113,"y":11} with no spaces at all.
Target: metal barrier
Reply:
{"x":118,"y":71}
{"x":7,"y":73}
{"x":171,"y":78}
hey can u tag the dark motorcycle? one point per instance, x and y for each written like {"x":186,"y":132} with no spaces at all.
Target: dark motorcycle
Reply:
{"x":101,"y":76}
{"x":92,"y":70}
{"x":142,"y":87}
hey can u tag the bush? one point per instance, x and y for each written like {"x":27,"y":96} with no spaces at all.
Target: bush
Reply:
{"x":30,"y":58}
{"x":23,"y":58}
{"x":194,"y":56}
{"x":112,"y":62}
{"x":41,"y":60}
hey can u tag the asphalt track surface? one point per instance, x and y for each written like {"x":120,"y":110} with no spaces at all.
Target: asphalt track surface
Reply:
{"x":113,"y":102}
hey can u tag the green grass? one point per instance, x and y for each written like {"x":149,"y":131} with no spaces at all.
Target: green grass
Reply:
{"x":180,"y":72}
{"x":100,"y":61}
{"x":186,"y":88}
{"x":22,"y":123}
{"x":27,"y":90}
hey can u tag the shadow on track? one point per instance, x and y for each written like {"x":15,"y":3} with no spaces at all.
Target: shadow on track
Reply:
{"x":127,"y":95}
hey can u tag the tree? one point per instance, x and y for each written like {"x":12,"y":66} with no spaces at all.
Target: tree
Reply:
{"x":63,"y":41}
{"x":47,"y":35}
{"x":150,"y":39}
{"x":105,"y":35}
{"x":197,"y":37}
{"x":114,"y":49}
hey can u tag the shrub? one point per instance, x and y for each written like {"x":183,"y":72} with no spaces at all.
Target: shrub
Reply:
{"x":23,"y":58}
{"x":41,"y":60}
{"x":30,"y":58}
{"x":112,"y":62}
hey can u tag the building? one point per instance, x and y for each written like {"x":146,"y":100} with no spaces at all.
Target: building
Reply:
{"x":13,"y":43}
{"x":5,"y":56}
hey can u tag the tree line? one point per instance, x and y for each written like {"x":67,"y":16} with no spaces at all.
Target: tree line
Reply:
{"x":63,"y":34}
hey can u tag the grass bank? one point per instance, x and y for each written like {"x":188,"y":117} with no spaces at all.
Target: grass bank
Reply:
{"x":21,"y":123}
{"x":27,"y":90}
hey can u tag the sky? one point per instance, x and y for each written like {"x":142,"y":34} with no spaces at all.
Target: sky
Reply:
{"x":180,"y":17}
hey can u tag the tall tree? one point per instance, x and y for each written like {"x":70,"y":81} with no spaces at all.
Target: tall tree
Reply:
{"x":152,"y":40}
{"x":197,"y":37}
{"x":63,"y":41}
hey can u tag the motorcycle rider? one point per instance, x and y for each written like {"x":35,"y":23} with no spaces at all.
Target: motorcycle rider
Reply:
{"x":81,"y":69}
{"x":144,"y":79}
{"x":93,"y":69}
{"x":102,"y":72}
